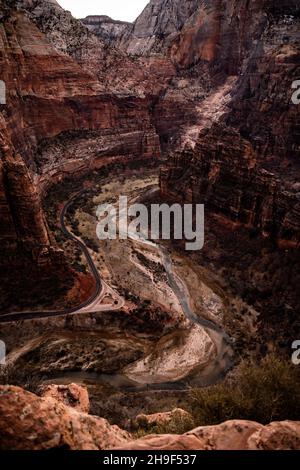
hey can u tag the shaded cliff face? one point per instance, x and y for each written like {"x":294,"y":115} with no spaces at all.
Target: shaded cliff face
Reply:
{"x":243,"y":158}
{"x":208,"y":41}
{"x":22,"y":219}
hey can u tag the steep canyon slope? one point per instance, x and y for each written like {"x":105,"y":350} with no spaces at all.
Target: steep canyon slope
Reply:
{"x":51,"y":95}
{"x":230,"y":131}
{"x":243,"y":159}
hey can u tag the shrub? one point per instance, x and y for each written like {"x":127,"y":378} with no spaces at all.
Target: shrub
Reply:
{"x":179,"y":424}
{"x":263,"y":392}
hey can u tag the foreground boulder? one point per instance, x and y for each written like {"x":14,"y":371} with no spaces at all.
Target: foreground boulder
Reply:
{"x":71,"y":395}
{"x":277,"y":436}
{"x":232,"y":435}
{"x":28,"y":422}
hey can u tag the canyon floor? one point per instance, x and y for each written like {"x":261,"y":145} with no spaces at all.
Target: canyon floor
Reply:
{"x":153,"y":327}
{"x":159,"y":327}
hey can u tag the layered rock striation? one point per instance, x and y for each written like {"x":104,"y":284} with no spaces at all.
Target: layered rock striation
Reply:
{"x":242,"y":160}
{"x":116,"y":72}
{"x":50,"y":92}
{"x":32,"y":423}
{"x":211,"y":80}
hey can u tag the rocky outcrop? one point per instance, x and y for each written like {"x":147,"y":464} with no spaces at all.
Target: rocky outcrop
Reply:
{"x":28,"y":422}
{"x":20,"y":208}
{"x":32,"y":423}
{"x":156,"y":27}
{"x":242,"y":163}
{"x":222,"y":172}
{"x":105,"y":27}
{"x":232,"y":435}
{"x":72,"y":395}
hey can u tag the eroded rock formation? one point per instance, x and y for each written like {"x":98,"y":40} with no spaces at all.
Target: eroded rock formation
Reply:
{"x":28,"y":422}
{"x":242,"y":161}
{"x":156,"y":27}
{"x":50,"y":91}
{"x":72,"y":395}
{"x":105,"y":27}
{"x":53,"y":94}
{"x":232,"y":435}
{"x":147,"y":422}
{"x":21,"y":215}
{"x":32,"y":423}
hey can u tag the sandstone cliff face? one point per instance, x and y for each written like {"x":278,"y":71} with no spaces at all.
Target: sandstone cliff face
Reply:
{"x":115,"y":71}
{"x":157,"y":25}
{"x":49,"y":93}
{"x":232,"y":435}
{"x":213,"y":75}
{"x":28,"y":422}
{"x":106,"y":28}
{"x":243,"y":161}
{"x":31,"y":265}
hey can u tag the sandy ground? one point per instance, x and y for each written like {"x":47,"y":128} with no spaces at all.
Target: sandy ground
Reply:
{"x":174,"y":357}
{"x":139,"y":268}
{"x":134,"y":272}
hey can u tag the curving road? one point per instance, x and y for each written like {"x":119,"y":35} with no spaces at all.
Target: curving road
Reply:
{"x":217,"y":368}
{"x":92,"y":301}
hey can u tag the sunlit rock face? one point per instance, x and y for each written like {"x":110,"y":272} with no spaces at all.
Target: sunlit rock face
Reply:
{"x":115,"y":71}
{"x":49,"y":93}
{"x":106,"y":28}
{"x":157,"y":25}
{"x":34,"y":423}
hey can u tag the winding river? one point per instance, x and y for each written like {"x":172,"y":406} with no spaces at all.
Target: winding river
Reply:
{"x":223,"y":359}
{"x":201,"y":376}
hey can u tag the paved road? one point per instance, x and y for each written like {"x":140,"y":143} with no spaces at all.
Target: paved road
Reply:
{"x":17,"y":316}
